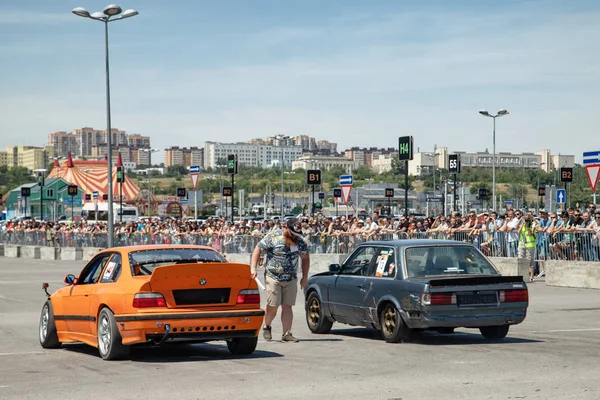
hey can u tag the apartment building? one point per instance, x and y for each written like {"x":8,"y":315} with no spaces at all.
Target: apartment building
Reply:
{"x":253,"y":155}
{"x":324,"y":163}
{"x":88,"y":142}
{"x":30,"y":157}
{"x":184,"y":156}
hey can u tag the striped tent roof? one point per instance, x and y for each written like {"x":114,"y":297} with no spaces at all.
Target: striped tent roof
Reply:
{"x":92,"y":175}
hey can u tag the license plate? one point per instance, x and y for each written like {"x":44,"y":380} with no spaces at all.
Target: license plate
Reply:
{"x":475,"y":299}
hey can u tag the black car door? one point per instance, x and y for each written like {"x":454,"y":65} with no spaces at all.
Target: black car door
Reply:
{"x":379,"y":282}
{"x":346,"y":295}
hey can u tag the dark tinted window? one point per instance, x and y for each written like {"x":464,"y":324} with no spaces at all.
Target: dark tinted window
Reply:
{"x":359,"y":261}
{"x":446,"y":260}
{"x":143,"y":262}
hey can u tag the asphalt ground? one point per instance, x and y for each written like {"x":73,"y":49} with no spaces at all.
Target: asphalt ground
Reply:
{"x":554,"y":354}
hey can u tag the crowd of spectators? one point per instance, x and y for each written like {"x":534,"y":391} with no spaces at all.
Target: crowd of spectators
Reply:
{"x":571,"y":234}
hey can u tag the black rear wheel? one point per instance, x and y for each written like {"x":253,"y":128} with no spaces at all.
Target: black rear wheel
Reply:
{"x":242,"y":346}
{"x":494,"y":332}
{"x":315,"y":317}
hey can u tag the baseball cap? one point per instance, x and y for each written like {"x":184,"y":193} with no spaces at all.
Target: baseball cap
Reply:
{"x":294,"y":226}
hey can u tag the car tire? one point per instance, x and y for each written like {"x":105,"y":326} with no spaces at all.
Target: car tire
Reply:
{"x":393,"y":327}
{"x":494,"y":332}
{"x":315,"y":317}
{"x":110,"y":344}
{"x":47,"y":328}
{"x":242,"y":346}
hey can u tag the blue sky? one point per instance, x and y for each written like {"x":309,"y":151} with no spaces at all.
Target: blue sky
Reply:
{"x":353,"y":72}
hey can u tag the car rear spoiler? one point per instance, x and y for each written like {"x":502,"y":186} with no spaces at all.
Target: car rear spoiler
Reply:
{"x":474,"y":280}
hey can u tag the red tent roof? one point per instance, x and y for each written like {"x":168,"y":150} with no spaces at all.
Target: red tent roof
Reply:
{"x":92,"y":175}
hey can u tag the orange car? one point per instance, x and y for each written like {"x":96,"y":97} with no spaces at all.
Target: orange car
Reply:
{"x":151,"y":295}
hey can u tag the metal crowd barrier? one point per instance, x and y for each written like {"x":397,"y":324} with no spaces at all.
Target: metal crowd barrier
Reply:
{"x":583,"y":246}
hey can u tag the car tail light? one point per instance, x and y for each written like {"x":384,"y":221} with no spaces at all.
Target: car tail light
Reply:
{"x":438,"y":299}
{"x":513,"y":296}
{"x":248,"y":296}
{"x":145,"y":300}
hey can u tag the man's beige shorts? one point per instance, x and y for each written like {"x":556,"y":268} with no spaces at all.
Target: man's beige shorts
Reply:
{"x":281,"y":293}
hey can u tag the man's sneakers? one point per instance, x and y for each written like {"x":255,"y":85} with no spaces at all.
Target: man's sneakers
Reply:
{"x":288,"y":337}
{"x":267,"y":333}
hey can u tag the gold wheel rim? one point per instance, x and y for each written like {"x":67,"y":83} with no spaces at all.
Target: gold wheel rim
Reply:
{"x":389,"y":320}
{"x":314,"y":312}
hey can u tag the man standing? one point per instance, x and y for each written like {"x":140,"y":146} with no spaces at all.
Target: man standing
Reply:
{"x":283,"y":247}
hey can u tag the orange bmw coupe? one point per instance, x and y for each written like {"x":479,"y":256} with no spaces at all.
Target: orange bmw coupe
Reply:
{"x":153,"y":295}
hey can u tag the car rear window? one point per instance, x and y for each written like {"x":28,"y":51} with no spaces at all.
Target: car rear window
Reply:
{"x":147,"y":260}
{"x":446,"y":260}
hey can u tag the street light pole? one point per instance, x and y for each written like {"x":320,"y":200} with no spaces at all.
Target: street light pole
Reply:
{"x":105,"y":16}
{"x":500,"y":113}
{"x":149,"y":151}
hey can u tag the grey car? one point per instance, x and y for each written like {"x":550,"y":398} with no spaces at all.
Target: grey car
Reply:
{"x":404,"y":286}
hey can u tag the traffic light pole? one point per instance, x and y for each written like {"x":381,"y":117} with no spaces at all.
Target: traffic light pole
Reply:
{"x":313,"y":201}
{"x":454,"y":202}
{"x":232,"y":196}
{"x":406,"y":190}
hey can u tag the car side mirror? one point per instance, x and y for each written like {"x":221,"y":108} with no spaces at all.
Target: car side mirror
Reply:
{"x":70,"y":279}
{"x":335,"y":268}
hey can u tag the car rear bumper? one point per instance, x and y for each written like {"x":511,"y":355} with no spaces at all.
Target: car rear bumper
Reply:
{"x":196,"y":326}
{"x":464,"y":319}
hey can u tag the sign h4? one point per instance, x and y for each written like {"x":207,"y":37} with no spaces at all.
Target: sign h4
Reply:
{"x":561,"y":196}
{"x":346,"y":180}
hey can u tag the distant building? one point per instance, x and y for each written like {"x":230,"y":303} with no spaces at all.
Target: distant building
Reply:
{"x":424,"y":163}
{"x":307,"y":143}
{"x":365,"y":156}
{"x":30,"y":157}
{"x":182,"y":156}
{"x":252,"y":155}
{"x":90,"y":142}
{"x":325,"y":163}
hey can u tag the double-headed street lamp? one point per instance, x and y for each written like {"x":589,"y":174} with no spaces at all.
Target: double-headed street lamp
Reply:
{"x":111,"y":13}
{"x":499,"y":114}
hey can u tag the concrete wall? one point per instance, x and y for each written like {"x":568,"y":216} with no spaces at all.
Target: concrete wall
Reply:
{"x":50,"y":253}
{"x":12,"y":251}
{"x":511,"y":266}
{"x":30,"y":252}
{"x":318,"y":262}
{"x":89,"y":252}
{"x":576,"y":274}
{"x":71,"y":253}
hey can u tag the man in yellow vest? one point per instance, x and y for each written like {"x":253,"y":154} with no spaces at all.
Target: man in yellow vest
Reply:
{"x":528,"y":242}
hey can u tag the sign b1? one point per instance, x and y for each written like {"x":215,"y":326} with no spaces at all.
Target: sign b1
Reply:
{"x":72,"y":190}
{"x":313,"y":177}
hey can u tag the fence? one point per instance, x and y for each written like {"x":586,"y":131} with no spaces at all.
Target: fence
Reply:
{"x":561,"y":246}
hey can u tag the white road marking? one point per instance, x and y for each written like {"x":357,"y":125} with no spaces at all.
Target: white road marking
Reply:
{"x":569,"y":330}
{"x":21,"y":353}
{"x":3,"y":386}
{"x":13,"y":299}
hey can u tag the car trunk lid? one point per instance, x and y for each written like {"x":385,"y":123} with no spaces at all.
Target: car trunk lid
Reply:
{"x":200,"y":285}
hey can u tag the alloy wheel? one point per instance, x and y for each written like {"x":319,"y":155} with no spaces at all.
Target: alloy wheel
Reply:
{"x":314,"y":311}
{"x":390,"y":318}
{"x":44,"y":323}
{"x":104,"y":336}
